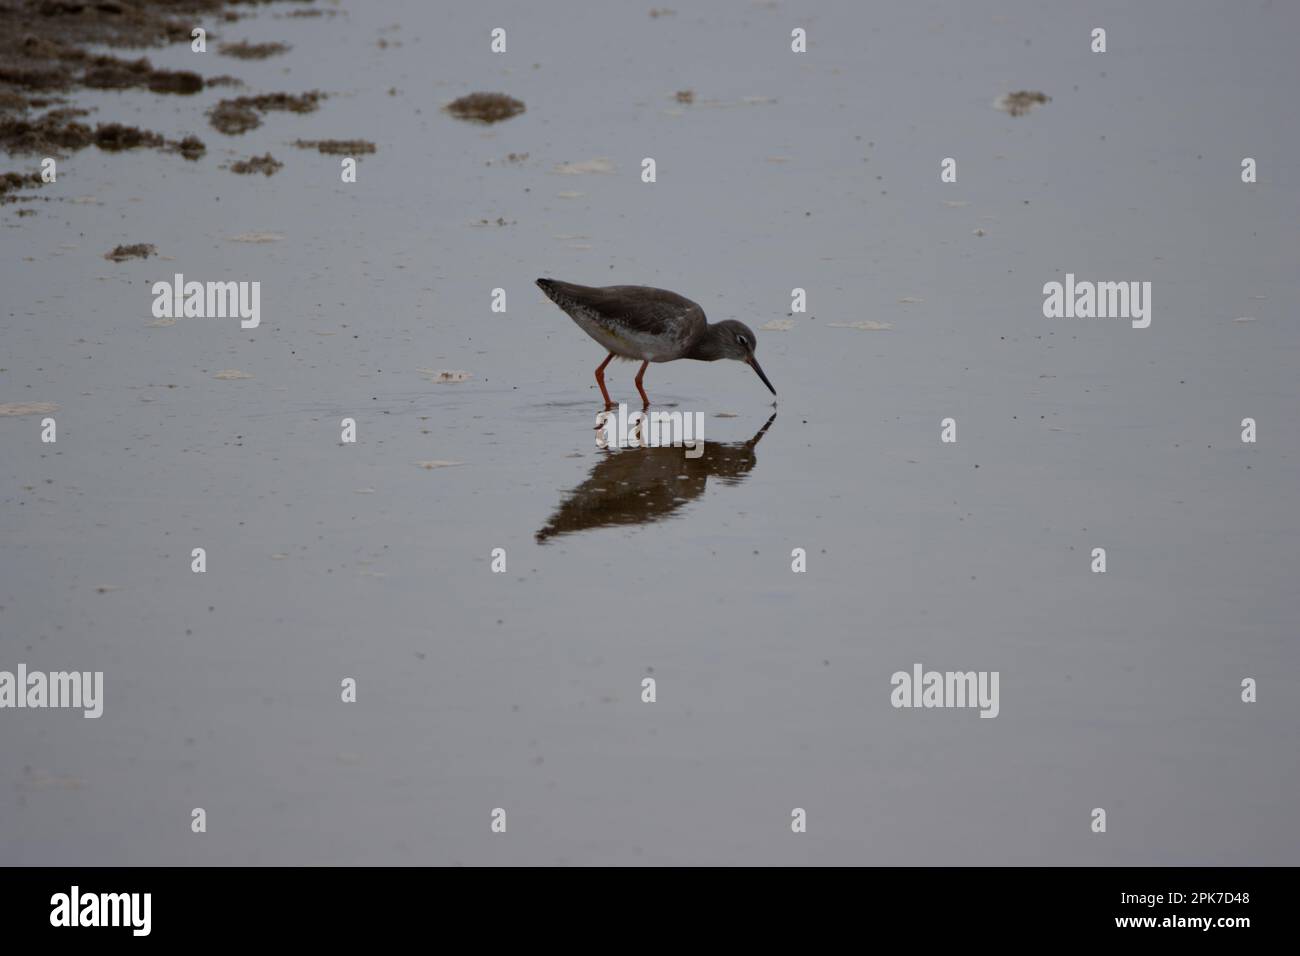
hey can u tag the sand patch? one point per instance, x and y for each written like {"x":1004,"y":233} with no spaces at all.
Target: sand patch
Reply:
{"x":866,"y":325}
{"x":256,"y":237}
{"x":445,"y":376}
{"x":27,"y":408}
{"x":585,"y":167}
{"x":337,"y":147}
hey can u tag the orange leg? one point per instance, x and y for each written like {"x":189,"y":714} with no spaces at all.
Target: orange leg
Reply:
{"x":600,"y":380}
{"x":639,"y":375}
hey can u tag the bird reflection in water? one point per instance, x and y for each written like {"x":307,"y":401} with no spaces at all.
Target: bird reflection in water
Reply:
{"x":641,"y":485}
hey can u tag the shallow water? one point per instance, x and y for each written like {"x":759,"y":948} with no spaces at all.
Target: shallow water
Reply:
{"x":522,"y":690}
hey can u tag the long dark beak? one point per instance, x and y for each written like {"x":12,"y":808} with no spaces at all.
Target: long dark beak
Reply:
{"x":753,"y":363}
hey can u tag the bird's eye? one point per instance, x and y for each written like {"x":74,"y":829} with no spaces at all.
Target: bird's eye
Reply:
{"x":743,"y":343}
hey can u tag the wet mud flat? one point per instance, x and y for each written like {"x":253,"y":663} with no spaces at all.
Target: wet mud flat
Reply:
{"x":178,"y":431}
{"x":47,"y":56}
{"x":44,"y":53}
{"x":49,"y":51}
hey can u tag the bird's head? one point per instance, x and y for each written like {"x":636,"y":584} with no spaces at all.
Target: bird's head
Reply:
{"x":736,"y":340}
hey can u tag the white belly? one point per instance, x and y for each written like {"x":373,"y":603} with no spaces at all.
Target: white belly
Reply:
{"x":622,"y":342}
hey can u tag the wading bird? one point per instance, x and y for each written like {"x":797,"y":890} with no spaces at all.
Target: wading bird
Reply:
{"x":652,"y":325}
